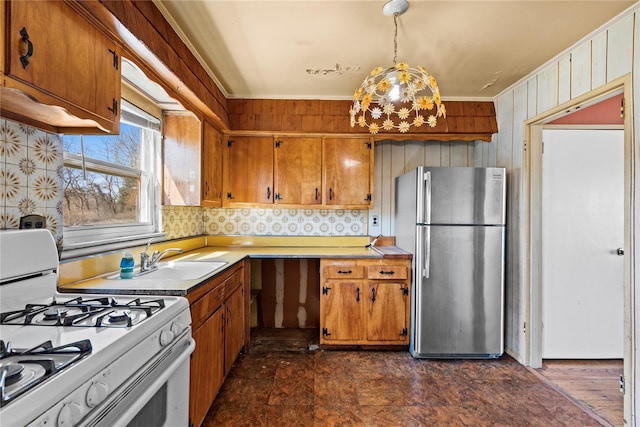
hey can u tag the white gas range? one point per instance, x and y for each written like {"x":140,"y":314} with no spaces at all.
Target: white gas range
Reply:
{"x":86,"y":360}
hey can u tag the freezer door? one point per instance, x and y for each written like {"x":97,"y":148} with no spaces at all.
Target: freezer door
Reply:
{"x":461,"y":195}
{"x":457,"y":300}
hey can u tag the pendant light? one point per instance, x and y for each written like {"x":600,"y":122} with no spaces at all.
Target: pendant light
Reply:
{"x":398,"y":97}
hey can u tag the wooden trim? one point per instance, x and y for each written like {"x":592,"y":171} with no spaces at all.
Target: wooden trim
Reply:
{"x":466,"y":120}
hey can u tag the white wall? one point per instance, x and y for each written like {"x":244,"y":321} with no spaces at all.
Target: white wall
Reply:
{"x":607,"y":54}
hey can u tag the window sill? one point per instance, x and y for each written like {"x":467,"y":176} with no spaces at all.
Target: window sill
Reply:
{"x":101,"y":246}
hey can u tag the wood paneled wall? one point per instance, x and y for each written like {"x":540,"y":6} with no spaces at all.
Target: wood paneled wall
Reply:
{"x":609,"y":53}
{"x":466,"y":120}
{"x":394,"y":158}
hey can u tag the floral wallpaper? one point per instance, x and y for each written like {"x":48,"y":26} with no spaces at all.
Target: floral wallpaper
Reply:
{"x":30,"y":176}
{"x":31,"y":183}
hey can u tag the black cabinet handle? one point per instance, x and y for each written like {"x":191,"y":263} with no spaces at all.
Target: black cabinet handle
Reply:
{"x":373,"y":294}
{"x":387,"y":272}
{"x":24,"y":59}
{"x":115,"y":58}
{"x":268,"y":193}
{"x":358,"y":294}
{"x":345,"y":272}
{"x":316,"y":194}
{"x":114,"y":107}
{"x":331,"y":194}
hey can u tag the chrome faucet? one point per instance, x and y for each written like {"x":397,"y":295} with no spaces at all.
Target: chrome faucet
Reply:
{"x":157,"y":256}
{"x":148,"y":263}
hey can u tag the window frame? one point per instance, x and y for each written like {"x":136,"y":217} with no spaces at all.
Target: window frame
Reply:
{"x":76,"y":239}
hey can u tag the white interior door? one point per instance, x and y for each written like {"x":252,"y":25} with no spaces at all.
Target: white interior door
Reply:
{"x":582,"y":228}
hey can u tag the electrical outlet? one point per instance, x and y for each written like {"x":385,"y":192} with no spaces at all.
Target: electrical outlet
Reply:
{"x":374,"y":225}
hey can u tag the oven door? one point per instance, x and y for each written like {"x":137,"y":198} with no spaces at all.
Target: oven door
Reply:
{"x":157,"y":396}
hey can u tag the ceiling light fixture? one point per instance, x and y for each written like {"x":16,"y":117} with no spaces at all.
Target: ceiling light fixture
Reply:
{"x":397,"y":97}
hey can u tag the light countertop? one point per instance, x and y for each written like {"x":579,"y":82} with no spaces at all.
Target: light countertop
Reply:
{"x":229,"y":254}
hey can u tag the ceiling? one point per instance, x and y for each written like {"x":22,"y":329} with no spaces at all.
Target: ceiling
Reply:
{"x":323,"y":49}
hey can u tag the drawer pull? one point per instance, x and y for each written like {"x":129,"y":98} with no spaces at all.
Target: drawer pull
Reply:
{"x":373,"y":294}
{"x":345,"y":272}
{"x":387,"y":272}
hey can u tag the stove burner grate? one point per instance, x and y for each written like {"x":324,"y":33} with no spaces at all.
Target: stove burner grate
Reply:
{"x":86,"y":312}
{"x":21,"y":370}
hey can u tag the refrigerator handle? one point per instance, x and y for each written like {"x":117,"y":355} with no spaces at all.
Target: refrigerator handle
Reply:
{"x":427,"y":252}
{"x":423,"y":199}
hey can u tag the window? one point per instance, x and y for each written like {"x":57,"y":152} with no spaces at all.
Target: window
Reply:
{"x":111,"y":182}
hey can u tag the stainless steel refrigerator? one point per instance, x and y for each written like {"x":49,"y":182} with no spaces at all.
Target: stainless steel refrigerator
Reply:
{"x":453,"y":221}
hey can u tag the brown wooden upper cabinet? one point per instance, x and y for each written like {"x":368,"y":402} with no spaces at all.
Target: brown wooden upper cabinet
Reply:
{"x":55,"y":58}
{"x":348,"y":171}
{"x":298,"y":170}
{"x":181,"y":159}
{"x":211,"y":166}
{"x":250,"y":170}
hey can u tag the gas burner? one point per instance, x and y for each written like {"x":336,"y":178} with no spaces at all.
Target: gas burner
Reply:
{"x":21,"y":370}
{"x":118,"y":316}
{"x":12,"y":373}
{"x":55,"y":313}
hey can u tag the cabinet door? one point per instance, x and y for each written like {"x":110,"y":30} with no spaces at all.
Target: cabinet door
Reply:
{"x":181,"y":159}
{"x":341,"y":316}
{"x":65,"y":58}
{"x":387,"y":311}
{"x":250,"y":169}
{"x":207,"y":367}
{"x":298,"y":171}
{"x":234,"y":327}
{"x":348,"y":171}
{"x":211,"y":166}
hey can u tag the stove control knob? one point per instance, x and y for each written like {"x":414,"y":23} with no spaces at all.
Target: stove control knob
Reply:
{"x":166,"y":337}
{"x":96,"y":393}
{"x":69,"y":415}
{"x":176,"y":328}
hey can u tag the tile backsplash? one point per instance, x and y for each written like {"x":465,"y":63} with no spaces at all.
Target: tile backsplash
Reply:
{"x":285,"y":222}
{"x":30,"y":176}
{"x":31,"y":182}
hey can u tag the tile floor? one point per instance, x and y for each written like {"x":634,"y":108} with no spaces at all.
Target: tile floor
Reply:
{"x":283,"y":383}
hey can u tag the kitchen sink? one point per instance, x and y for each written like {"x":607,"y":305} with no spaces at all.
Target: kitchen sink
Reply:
{"x":176,"y":270}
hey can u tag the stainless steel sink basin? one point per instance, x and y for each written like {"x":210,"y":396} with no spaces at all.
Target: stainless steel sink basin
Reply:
{"x":176,"y":270}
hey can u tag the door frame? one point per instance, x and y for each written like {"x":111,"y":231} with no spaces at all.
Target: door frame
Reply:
{"x":532,"y":224}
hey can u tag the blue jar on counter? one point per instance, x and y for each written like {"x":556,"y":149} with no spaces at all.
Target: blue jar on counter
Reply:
{"x":126,"y":266}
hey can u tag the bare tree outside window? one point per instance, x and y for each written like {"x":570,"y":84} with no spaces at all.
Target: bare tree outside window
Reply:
{"x":107,"y":190}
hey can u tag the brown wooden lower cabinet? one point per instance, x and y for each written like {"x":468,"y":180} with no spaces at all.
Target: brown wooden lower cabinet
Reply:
{"x":218,"y":321}
{"x":364,"y":301}
{"x":207,"y":374}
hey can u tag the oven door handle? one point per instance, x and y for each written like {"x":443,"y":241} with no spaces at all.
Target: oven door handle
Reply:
{"x":146,"y":396}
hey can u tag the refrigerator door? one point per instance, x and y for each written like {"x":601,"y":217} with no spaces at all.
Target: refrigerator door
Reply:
{"x":461,"y":195}
{"x":457,"y":303}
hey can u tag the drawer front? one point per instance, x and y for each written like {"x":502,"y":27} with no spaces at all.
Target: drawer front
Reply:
{"x":343,"y":272}
{"x":231,"y":283}
{"x":206,"y":306}
{"x":387,"y":272}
